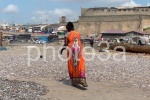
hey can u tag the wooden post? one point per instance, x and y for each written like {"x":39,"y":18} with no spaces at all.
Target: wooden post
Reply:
{"x":1,"y":36}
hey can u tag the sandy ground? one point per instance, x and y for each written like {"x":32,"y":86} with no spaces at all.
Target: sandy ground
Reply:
{"x":96,"y":91}
{"x":100,"y":90}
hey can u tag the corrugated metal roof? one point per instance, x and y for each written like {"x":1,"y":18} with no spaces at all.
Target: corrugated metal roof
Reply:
{"x":115,"y":31}
{"x":138,"y":32}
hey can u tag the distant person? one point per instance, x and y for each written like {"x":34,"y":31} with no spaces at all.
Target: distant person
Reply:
{"x":76,"y":64}
{"x":91,"y":41}
{"x":101,"y":38}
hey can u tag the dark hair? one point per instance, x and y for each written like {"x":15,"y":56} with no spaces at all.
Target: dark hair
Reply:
{"x":70,"y":26}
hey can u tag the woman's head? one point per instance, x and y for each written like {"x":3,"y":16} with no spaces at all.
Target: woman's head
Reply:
{"x":69,"y":26}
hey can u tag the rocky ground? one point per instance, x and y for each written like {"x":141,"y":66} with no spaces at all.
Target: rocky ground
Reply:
{"x":131,"y":74}
{"x":20,"y":90}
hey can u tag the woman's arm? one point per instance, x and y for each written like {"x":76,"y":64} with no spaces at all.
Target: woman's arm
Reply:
{"x":65,"y":41}
{"x":65,"y":44}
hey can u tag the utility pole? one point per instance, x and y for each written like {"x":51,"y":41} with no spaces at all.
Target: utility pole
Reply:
{"x":140,"y":27}
{"x":140,"y":23}
{"x":1,"y":36}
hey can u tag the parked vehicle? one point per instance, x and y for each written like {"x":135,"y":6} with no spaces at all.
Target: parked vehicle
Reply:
{"x":140,"y":40}
{"x":85,"y":41}
{"x":52,"y":38}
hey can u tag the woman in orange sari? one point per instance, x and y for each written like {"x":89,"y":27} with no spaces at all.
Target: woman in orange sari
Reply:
{"x":76,"y":67}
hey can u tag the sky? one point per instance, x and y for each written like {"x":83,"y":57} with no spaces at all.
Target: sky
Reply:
{"x":50,"y":11}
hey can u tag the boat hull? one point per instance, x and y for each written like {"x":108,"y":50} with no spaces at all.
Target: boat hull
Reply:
{"x":132,"y":48}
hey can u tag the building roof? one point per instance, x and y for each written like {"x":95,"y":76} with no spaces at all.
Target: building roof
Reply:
{"x":62,"y":28}
{"x":143,"y":33}
{"x":113,"y":31}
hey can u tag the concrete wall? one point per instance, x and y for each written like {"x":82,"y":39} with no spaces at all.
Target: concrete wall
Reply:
{"x":98,"y":24}
{"x":76,"y":25}
{"x":96,"y":20}
{"x":146,"y":23}
{"x":114,"y":11}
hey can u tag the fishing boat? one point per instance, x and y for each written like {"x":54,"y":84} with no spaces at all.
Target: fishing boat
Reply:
{"x":131,"y":48}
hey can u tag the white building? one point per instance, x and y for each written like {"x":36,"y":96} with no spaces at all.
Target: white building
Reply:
{"x":38,"y":28}
{"x":4,"y":26}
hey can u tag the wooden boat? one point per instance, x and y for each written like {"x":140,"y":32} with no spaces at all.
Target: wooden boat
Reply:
{"x":127,"y":47}
{"x":132,"y":48}
{"x":140,"y":48}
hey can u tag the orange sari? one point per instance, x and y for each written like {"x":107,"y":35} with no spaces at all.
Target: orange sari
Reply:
{"x":78,"y":70}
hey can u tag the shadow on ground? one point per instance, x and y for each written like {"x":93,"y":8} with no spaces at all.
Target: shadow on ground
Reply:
{"x":68,"y":82}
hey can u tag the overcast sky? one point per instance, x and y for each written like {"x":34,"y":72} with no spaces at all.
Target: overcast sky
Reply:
{"x":49,"y":11}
